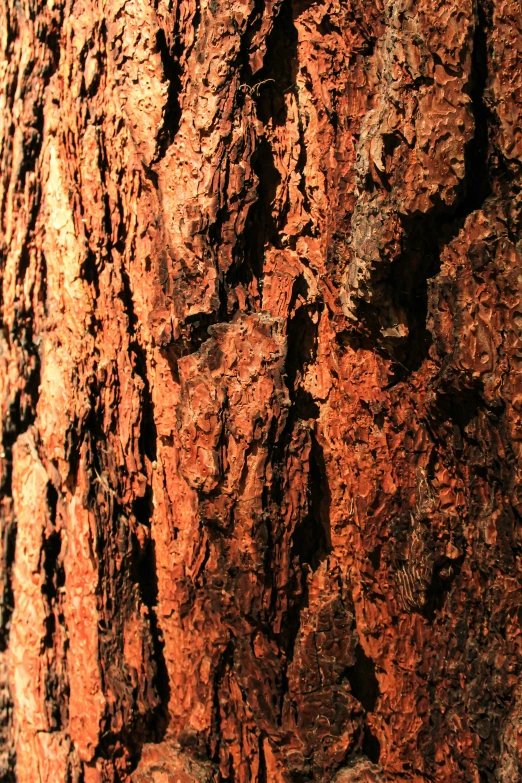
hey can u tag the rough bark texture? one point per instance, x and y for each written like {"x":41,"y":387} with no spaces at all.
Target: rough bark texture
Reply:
{"x":260,"y":383}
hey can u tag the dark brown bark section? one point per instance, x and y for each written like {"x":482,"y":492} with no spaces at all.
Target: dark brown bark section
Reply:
{"x":260,"y":390}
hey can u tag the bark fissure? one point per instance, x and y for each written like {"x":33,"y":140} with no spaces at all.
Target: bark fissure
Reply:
{"x":170,"y":58}
{"x":397,"y":321}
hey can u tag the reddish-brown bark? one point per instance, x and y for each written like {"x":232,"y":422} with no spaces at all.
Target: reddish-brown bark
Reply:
{"x":260,"y":391}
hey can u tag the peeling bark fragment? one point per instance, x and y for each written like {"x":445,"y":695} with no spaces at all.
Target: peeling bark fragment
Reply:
{"x":164,"y":762}
{"x":232,"y":403}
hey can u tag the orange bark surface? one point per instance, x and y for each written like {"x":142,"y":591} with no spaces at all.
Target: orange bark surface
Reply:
{"x":260,"y":384}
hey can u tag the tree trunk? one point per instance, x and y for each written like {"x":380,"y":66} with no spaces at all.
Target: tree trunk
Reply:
{"x":260,"y":383}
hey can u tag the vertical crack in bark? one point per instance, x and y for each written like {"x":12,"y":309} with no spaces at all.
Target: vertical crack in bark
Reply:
{"x":216,"y":739}
{"x":262,"y":776}
{"x":21,"y":416}
{"x":371,"y":747}
{"x":302,"y":336}
{"x":477,"y":183}
{"x":8,"y":532}
{"x":259,"y":228}
{"x":362,"y":679}
{"x":170,"y":58}
{"x":278,"y":72}
{"x":267,"y":88}
{"x":426,"y":235}
{"x":312,"y":538}
{"x":147,"y":578}
{"x":21,"y":340}
{"x":365,"y":688}
{"x":22,"y":408}
{"x":310,"y":542}
{"x":172,"y":53}
{"x":57,"y":685}
{"x":143,"y":568}
{"x":253,"y":26}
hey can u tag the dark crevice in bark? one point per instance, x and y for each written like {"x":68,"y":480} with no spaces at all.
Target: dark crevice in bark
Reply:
{"x":364,"y":687}
{"x":260,"y":226}
{"x":301,"y":167}
{"x":224,"y":311}
{"x":172,"y":52}
{"x":57,"y":688}
{"x":445,"y":572}
{"x":144,"y":714}
{"x":197,"y":329}
{"x":119,"y":585}
{"x":9,"y":776}
{"x":362,"y":679}
{"x":171,"y":61}
{"x":271,"y":502}
{"x":310,"y":545}
{"x":148,"y":433}
{"x":458,"y":411}
{"x":279,"y":69}
{"x":144,"y":569}
{"x":477,"y":182}
{"x":22,"y":410}
{"x":507,"y":180}
{"x":419,"y":260}
{"x":92,"y":264}
{"x":54,"y":574}
{"x":224,"y":664}
{"x":302,"y":339}
{"x":8,"y":532}
{"x":326,"y":26}
{"x":215,"y":235}
{"x":253,"y":26}
{"x":266,"y":88}
{"x":152,"y":177}
{"x":426,"y":235}
{"x":24,"y":261}
{"x":21,"y":416}
{"x":99,"y":42}
{"x":460,"y":406}
{"x":196,"y":21}
{"x":147,"y":579}
{"x":371,"y":747}
{"x":311,"y":541}
{"x":90,"y":271}
{"x":437,"y":230}
{"x":39,"y":70}
{"x":36,"y":71}
{"x":262,"y":776}
{"x":140,"y":569}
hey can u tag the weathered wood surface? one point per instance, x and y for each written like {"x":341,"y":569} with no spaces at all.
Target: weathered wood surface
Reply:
{"x":260,"y":383}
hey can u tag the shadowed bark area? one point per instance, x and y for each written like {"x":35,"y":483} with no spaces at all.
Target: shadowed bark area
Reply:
{"x":260,"y":385}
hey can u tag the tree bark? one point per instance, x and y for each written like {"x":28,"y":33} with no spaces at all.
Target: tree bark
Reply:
{"x":260,"y":383}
